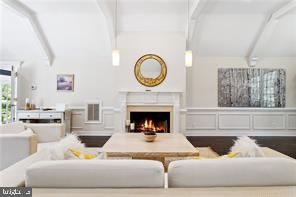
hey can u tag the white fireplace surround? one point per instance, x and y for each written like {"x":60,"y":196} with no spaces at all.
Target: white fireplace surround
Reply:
{"x":147,"y":98}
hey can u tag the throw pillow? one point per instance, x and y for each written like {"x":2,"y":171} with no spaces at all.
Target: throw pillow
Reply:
{"x":81,"y":155}
{"x":230,"y":155}
{"x":246,"y":147}
{"x":60,"y":150}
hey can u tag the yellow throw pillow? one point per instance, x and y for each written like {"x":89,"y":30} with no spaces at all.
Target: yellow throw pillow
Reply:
{"x":233,"y":154}
{"x":81,"y":155}
{"x":230,"y":155}
{"x":195,"y":158}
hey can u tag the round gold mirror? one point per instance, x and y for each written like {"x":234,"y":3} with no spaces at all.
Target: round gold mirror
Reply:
{"x":150,"y":70}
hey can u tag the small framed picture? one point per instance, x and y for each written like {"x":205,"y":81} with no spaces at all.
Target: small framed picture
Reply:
{"x":65,"y":82}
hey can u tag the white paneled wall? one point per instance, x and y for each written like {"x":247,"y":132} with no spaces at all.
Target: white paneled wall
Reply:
{"x":106,"y":127}
{"x":203,"y":122}
{"x":241,"y":121}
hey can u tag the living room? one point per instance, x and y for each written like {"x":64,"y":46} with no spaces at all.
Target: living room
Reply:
{"x":179,"y":88}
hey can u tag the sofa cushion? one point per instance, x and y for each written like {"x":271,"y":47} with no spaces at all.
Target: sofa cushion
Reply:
{"x":12,"y":128}
{"x":96,"y":174}
{"x":232,"y":172}
{"x":47,"y":132}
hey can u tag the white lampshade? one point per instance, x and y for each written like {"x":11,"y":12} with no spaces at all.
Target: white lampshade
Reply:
{"x":188,"y":58}
{"x":115,"y":57}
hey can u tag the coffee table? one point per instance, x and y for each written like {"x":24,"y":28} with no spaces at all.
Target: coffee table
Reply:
{"x":133,"y":145}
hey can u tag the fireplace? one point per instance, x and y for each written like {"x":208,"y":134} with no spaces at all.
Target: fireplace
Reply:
{"x":151,"y":121}
{"x":159,"y":119}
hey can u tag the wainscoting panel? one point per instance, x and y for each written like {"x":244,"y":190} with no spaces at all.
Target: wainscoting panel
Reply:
{"x":292,"y":121}
{"x":234,"y":121}
{"x":198,"y":121}
{"x":77,"y":120}
{"x":269,"y":121}
{"x":108,"y":120}
{"x":240,"y":121}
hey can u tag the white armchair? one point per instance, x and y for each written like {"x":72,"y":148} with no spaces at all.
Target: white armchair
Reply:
{"x":16,"y":143}
{"x":47,"y":133}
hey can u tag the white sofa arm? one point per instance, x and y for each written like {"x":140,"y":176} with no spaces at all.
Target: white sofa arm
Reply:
{"x":47,"y":132}
{"x":15,"y":147}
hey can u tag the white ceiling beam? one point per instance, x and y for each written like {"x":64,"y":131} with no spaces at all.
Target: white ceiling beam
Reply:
{"x":194,"y":15}
{"x":284,"y":10}
{"x":267,"y":28}
{"x":109,"y":19}
{"x":26,"y":12}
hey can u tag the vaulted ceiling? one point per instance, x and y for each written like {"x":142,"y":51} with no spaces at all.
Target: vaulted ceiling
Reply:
{"x":82,"y":27}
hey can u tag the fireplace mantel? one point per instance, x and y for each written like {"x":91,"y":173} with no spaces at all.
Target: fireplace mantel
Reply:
{"x":150,"y":98}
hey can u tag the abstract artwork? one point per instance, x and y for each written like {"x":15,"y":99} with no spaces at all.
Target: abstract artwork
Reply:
{"x":243,"y":87}
{"x":65,"y":83}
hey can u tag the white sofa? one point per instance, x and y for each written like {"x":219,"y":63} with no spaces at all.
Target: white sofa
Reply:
{"x":96,"y":174}
{"x":236,"y":172}
{"x":14,"y":176}
{"x":16,"y":143}
{"x":240,"y":172}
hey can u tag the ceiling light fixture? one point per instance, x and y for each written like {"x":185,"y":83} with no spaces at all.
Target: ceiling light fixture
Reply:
{"x":188,"y":52}
{"x":115,"y":51}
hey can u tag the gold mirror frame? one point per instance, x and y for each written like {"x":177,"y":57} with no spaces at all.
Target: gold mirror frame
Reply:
{"x":150,"y":82}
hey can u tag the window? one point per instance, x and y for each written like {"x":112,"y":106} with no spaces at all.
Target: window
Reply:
{"x":7,"y":93}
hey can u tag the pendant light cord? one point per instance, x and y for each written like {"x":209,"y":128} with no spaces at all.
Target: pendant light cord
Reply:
{"x":116,"y":9}
{"x":187,"y":44}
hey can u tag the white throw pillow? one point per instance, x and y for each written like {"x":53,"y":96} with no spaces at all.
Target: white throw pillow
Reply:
{"x":247,"y":147}
{"x":60,"y":150}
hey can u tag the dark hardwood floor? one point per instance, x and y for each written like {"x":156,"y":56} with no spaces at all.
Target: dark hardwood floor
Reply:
{"x":94,"y":141}
{"x":220,"y":144}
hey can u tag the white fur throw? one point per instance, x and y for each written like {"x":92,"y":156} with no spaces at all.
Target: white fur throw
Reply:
{"x":60,"y":150}
{"x":247,"y":147}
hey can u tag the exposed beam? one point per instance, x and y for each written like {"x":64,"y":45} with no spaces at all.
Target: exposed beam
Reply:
{"x":266,"y":28}
{"x":109,"y":19}
{"x":284,"y":10}
{"x":26,"y":12}
{"x":194,"y":15}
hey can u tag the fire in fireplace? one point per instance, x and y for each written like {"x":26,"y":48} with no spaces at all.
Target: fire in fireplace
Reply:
{"x":151,"y":121}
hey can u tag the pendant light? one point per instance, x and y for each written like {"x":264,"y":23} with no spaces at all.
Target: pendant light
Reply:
{"x":115,"y":51}
{"x":188,"y":52}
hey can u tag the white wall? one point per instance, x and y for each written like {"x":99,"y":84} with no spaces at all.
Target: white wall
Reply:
{"x":202,"y":78}
{"x":170,"y":47}
{"x":96,"y":78}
